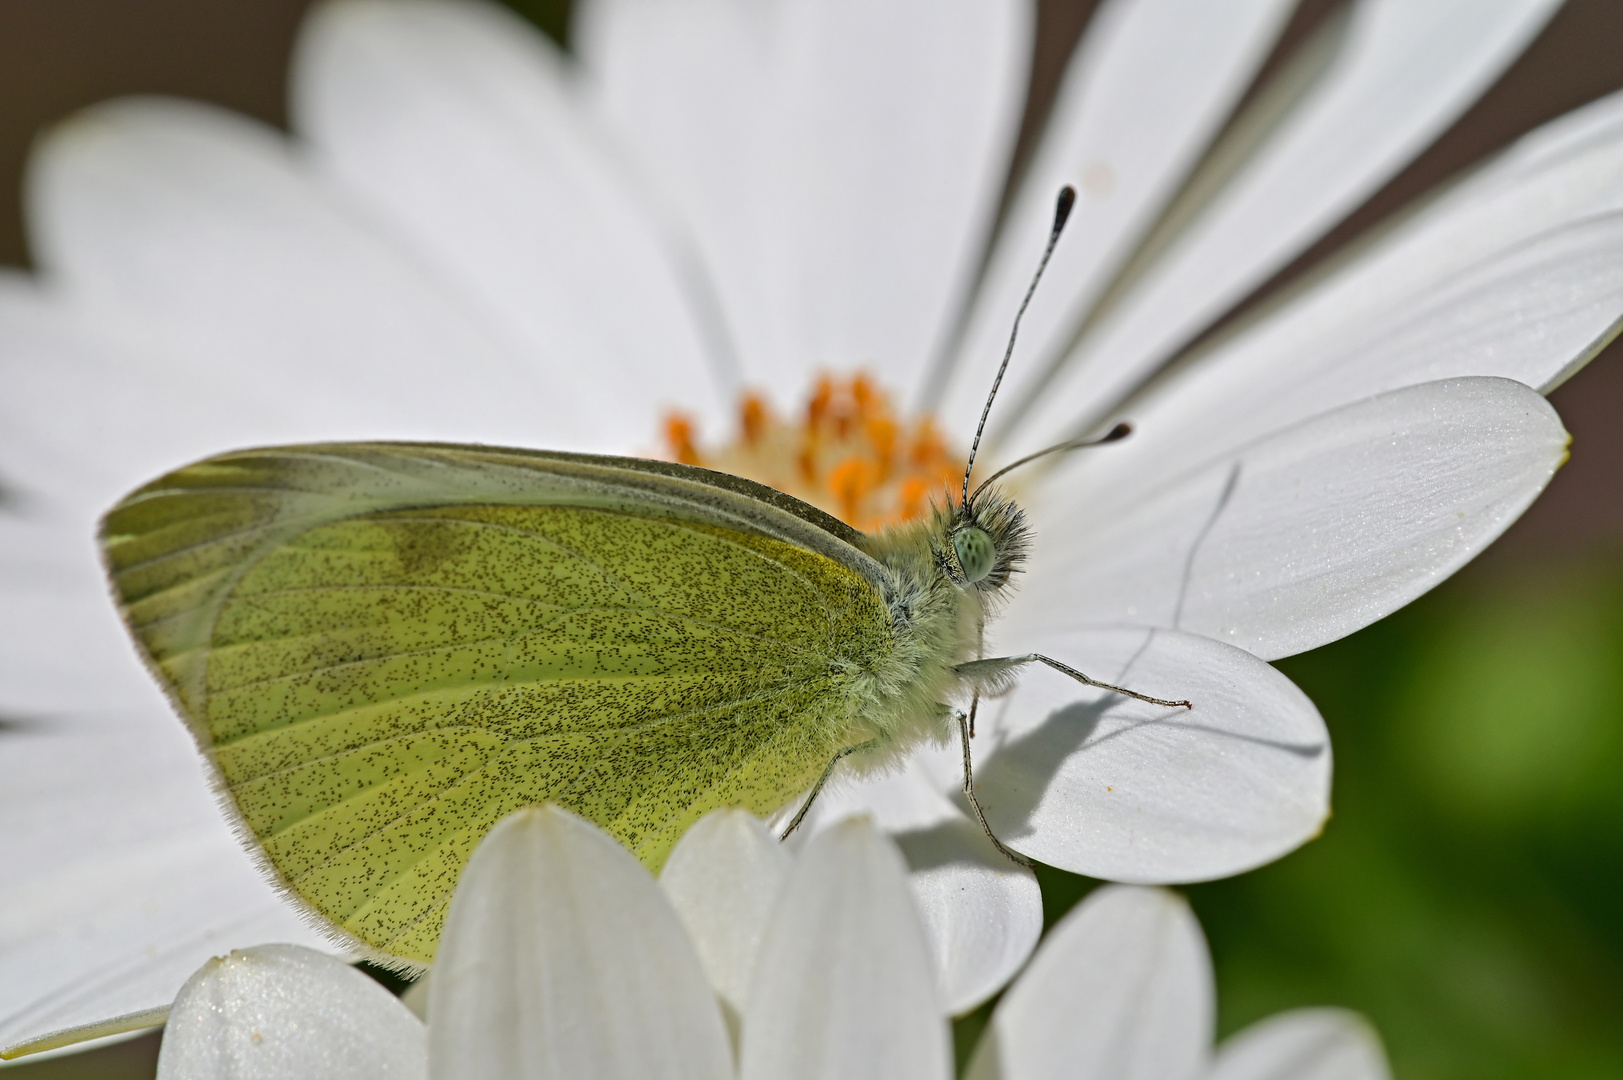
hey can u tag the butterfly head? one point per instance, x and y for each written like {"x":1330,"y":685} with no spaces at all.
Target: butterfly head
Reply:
{"x":988,"y":539}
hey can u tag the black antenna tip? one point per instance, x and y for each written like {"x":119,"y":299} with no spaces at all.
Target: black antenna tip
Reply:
{"x":1062,"y":207}
{"x":1117,"y":433}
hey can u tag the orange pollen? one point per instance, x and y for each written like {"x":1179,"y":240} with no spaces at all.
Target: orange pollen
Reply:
{"x":679,"y":431}
{"x":753,"y":418}
{"x":850,"y":455}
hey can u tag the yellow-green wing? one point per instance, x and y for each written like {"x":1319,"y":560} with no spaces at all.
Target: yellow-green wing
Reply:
{"x":385,"y":648}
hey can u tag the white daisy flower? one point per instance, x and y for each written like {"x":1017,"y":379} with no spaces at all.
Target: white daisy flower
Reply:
{"x":470,"y":237}
{"x":562,"y":958}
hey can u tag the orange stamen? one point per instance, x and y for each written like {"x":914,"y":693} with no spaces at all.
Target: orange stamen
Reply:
{"x":752,"y":418}
{"x":850,"y":481}
{"x":849,"y":455}
{"x":817,"y":407}
{"x":679,"y":433}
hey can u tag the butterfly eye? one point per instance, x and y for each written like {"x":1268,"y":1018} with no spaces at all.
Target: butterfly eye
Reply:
{"x":976,"y":554}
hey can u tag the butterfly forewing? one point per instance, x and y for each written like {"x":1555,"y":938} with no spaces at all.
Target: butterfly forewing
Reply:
{"x":381,"y":665}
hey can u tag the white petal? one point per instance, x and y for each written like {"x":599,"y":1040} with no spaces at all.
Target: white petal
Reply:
{"x":62,"y":647}
{"x":461,"y":124}
{"x":1114,"y":788}
{"x":844,"y":986}
{"x":983,"y":913}
{"x":1402,"y":74}
{"x":281,"y":1012}
{"x":1122,"y":989}
{"x":1517,"y":273}
{"x":1309,"y":534}
{"x":121,"y":877}
{"x":415,"y":996}
{"x":198,"y":230}
{"x":722,"y":878}
{"x":87,"y":414}
{"x":1144,"y":93}
{"x":122,"y":874}
{"x":561,"y":958}
{"x":685,"y":83}
{"x":910,"y":796}
{"x":841,"y":161}
{"x":1304,"y":1044}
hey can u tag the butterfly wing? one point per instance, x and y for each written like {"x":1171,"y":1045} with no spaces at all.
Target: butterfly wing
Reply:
{"x":385,"y":648}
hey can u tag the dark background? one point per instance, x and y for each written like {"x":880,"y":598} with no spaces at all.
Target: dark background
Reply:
{"x":1468,"y":894}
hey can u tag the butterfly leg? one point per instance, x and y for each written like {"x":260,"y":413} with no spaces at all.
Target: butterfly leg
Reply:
{"x":969,"y":790}
{"x":821,"y":780}
{"x":996,"y":673}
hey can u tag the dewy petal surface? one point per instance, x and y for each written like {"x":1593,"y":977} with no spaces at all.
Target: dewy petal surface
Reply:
{"x":561,"y":958}
{"x":845,"y":986}
{"x":1107,"y":786}
{"x":200,"y":231}
{"x":1402,"y":74}
{"x":464,"y":127}
{"x":723,"y":878}
{"x":1303,"y":1044}
{"x":276,"y":1012}
{"x":1147,"y":88}
{"x":1122,"y":989}
{"x":1309,"y":534}
{"x":840,"y":160}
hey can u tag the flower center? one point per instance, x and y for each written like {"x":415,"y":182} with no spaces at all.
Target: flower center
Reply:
{"x":848,"y":454}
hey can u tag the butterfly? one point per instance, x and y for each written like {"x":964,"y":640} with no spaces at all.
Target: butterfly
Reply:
{"x":382,"y":649}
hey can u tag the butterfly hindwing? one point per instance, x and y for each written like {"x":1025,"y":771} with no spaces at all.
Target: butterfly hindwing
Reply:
{"x":384,"y":649}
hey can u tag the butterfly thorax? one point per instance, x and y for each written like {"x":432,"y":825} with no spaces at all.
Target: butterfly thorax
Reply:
{"x":937,"y":615}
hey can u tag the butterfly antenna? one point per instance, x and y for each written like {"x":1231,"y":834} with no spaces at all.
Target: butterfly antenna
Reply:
{"x":1115,"y":434}
{"x":1062,"y":210}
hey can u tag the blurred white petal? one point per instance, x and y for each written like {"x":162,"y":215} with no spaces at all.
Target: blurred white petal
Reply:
{"x":61,"y":645}
{"x":88,"y":413}
{"x":1103,"y":785}
{"x":723,"y":878}
{"x":281,"y":1012}
{"x":1122,"y":990}
{"x":844,"y":985}
{"x":1146,"y":90}
{"x":841,"y":160}
{"x":124,"y":876}
{"x":561,"y":958}
{"x":461,"y":124}
{"x":1401,"y":75}
{"x":1304,"y":1044}
{"x":1518,"y":273}
{"x":1309,"y":534}
{"x":199,"y":230}
{"x":684,"y":83}
{"x":415,"y":996}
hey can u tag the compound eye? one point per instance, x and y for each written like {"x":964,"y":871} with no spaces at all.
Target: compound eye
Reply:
{"x":976,"y":553}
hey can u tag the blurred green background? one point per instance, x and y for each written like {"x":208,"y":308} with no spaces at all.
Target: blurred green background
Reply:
{"x":1468,"y":894}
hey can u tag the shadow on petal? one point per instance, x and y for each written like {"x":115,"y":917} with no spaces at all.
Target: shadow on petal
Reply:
{"x":1025,"y":766}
